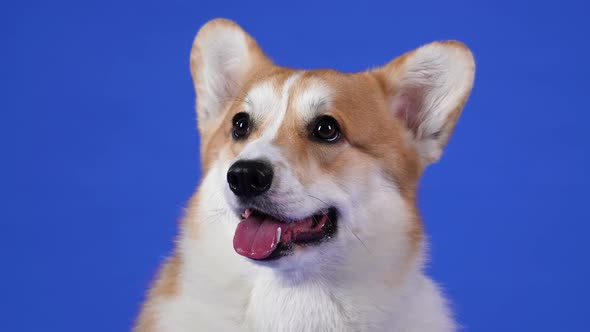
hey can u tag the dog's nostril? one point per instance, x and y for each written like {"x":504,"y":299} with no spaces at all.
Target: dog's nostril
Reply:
{"x":257,"y":180}
{"x":248,"y":178}
{"x":233,"y":180}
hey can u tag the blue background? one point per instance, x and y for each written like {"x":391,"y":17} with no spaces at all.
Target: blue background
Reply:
{"x":100,"y":152}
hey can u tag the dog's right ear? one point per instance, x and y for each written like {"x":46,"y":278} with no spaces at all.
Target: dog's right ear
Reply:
{"x":427,"y":89}
{"x":222,"y":56}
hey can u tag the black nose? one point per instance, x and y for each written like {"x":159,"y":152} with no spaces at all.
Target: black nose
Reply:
{"x":249,"y":178}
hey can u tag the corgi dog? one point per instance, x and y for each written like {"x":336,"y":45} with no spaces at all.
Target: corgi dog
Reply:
{"x":306,"y":216}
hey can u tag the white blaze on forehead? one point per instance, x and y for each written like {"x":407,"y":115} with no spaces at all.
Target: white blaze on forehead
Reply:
{"x":313,"y":100}
{"x":265,"y":105}
{"x":279,"y":115}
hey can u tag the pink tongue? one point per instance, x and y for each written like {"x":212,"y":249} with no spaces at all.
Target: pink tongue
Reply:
{"x":256,"y":237}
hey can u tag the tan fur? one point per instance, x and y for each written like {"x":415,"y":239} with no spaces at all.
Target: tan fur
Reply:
{"x":164,"y":286}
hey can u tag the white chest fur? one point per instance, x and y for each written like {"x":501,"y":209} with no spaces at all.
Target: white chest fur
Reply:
{"x":279,"y":305}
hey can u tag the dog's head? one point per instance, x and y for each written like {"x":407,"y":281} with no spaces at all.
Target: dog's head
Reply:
{"x":319,"y":166}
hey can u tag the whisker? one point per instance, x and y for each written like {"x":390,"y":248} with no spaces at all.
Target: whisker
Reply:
{"x":389,"y":186}
{"x":358,"y":238}
{"x":326,"y":204}
{"x":345,"y":226}
{"x":214,"y":193}
{"x":214,"y":216}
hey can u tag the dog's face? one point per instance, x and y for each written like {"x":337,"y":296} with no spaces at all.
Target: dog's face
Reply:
{"x":321,"y":166}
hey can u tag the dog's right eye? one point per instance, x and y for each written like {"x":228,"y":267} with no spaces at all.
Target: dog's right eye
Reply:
{"x":326,"y":129}
{"x":241,"y":125}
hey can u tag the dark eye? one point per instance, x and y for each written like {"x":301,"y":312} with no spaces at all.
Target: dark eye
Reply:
{"x":326,"y":129}
{"x":241,"y":125}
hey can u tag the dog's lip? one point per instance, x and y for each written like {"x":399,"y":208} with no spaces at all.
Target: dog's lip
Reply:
{"x":245,"y":213}
{"x":255,"y":235}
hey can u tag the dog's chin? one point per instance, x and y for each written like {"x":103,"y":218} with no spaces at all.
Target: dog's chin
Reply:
{"x":300,"y":260}
{"x":284,"y":243}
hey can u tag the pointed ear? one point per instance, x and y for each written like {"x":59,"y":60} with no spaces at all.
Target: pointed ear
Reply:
{"x":427,"y":89}
{"x":222,"y":57}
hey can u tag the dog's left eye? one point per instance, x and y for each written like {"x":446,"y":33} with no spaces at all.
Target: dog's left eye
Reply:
{"x":326,"y":129}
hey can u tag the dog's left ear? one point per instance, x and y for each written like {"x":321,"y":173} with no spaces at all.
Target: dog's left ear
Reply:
{"x":427,"y":89}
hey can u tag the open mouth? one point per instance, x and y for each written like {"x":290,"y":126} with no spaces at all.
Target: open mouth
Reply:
{"x":263,"y":237}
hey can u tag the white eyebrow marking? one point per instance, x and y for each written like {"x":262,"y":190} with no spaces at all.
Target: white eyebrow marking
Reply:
{"x":315,"y":99}
{"x":261,"y":101}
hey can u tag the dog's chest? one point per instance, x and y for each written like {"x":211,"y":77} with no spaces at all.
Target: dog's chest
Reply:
{"x":277,"y":306}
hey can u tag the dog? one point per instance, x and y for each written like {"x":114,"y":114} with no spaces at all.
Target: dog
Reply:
{"x":306,"y":216}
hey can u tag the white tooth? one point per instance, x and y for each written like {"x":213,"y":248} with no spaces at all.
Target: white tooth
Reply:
{"x":279,"y":234}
